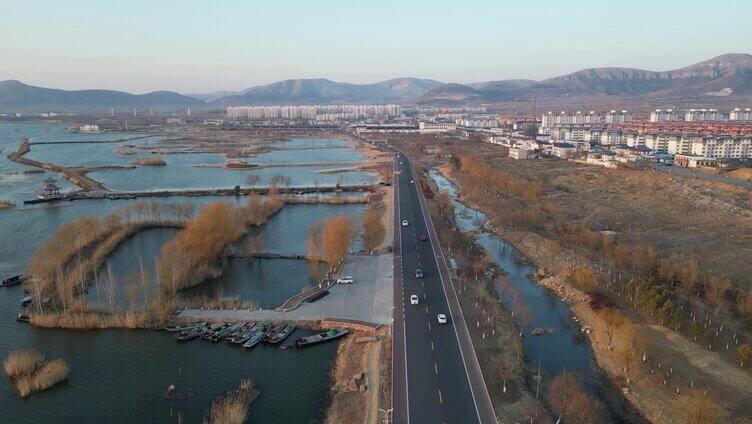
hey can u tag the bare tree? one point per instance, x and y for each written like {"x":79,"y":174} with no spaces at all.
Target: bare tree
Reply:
{"x":700,"y":407}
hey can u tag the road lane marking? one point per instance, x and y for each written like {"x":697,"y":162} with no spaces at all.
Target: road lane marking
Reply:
{"x":432,"y":348}
{"x":441,"y":400}
{"x":429,"y":325}
{"x":435,"y":368}
{"x":426,"y":310}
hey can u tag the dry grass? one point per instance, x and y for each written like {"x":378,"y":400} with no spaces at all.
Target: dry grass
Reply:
{"x":92,"y":320}
{"x":233,"y":408}
{"x":30,"y":373}
{"x":741,"y":173}
{"x":5,"y":204}
{"x":153,"y":161}
{"x":328,"y":200}
{"x":49,"y":375}
{"x":22,"y":363}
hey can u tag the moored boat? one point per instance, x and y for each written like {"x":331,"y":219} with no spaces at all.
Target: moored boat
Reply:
{"x":12,"y":281}
{"x":259,"y":333}
{"x":187,"y":335}
{"x":332,"y":334}
{"x":22,"y":317}
{"x":285,"y":332}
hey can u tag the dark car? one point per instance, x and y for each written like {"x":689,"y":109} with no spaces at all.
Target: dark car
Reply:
{"x":423,"y":237}
{"x":418,"y":273}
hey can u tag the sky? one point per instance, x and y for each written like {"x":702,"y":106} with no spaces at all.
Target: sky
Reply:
{"x":204,"y":46}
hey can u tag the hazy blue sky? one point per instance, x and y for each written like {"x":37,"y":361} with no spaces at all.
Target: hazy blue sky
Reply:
{"x":199,"y":46}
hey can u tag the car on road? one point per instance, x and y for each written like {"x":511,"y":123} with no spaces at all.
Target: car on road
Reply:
{"x":412,"y":182}
{"x":423,"y":237}
{"x":404,"y":223}
{"x":441,"y":318}
{"x":413,"y":299}
{"x":345,"y":280}
{"x":419,"y":273}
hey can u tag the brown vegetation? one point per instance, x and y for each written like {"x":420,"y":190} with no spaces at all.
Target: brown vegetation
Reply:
{"x":330,"y":239}
{"x":373,"y":229}
{"x":63,"y":266}
{"x":5,"y":204}
{"x":30,"y":373}
{"x":22,"y":363}
{"x":151,"y":161}
{"x":196,"y":252}
{"x":571,"y":404}
{"x":701,"y":408}
{"x":233,"y":408}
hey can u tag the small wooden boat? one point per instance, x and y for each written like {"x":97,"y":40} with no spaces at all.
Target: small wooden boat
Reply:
{"x":259,"y":333}
{"x":229,"y":330}
{"x":12,"y":281}
{"x":317,"y":296}
{"x":326,"y":336}
{"x":187,"y":335}
{"x":183,"y":327}
{"x":26,"y":301}
{"x":274,"y":331}
{"x":287,"y":329}
{"x":22,"y":317}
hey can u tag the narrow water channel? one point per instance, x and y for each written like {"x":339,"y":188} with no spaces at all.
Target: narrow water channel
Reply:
{"x":567,"y":349}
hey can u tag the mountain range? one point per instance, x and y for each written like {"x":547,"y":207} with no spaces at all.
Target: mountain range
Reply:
{"x":720,"y":80}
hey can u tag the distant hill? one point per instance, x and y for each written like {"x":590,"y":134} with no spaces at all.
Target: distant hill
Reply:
{"x":17,"y":96}
{"x":722,"y":80}
{"x":208,"y":97}
{"x":324,"y":91}
{"x":729,"y":75}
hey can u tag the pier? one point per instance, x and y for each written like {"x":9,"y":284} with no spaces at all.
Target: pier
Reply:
{"x":234,"y":191}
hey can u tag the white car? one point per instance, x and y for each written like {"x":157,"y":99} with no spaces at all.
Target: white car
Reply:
{"x":442,"y":318}
{"x":413,"y":299}
{"x":412,"y":182}
{"x":404,"y":223}
{"x":345,"y":280}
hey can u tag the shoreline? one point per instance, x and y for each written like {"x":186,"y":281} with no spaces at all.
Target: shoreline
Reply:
{"x":619,"y":404}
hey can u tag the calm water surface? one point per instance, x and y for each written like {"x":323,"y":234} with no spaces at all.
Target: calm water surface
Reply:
{"x":119,"y":375}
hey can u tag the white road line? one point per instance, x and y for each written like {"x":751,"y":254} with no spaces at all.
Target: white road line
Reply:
{"x":435,"y":368}
{"x":432,"y":348}
{"x":441,"y":400}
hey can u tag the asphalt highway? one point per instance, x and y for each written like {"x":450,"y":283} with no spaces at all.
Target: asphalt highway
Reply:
{"x":436,"y":376}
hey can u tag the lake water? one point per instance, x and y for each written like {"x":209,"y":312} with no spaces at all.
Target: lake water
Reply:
{"x":118,"y":376}
{"x":567,"y":349}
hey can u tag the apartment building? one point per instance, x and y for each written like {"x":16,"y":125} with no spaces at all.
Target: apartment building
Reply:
{"x":741,"y":115}
{"x":617,"y":117}
{"x":693,"y":115}
{"x":436,"y":127}
{"x":722,"y":147}
{"x":664,"y":115}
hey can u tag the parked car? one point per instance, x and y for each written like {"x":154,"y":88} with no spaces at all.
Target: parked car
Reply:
{"x":345,"y":280}
{"x":441,"y":318}
{"x":413,"y":299}
{"x":419,"y":273}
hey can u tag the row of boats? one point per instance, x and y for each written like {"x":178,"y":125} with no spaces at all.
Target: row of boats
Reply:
{"x":247,"y":334}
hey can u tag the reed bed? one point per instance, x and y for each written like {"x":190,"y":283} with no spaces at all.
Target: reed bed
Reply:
{"x":152,"y":161}
{"x":30,"y":373}
{"x":233,"y":408}
{"x":22,"y":363}
{"x":47,"y":376}
{"x":5,"y":204}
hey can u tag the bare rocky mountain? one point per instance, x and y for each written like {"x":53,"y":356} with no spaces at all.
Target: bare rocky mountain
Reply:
{"x":17,"y":96}
{"x":323,"y":91}
{"x":727,"y":76}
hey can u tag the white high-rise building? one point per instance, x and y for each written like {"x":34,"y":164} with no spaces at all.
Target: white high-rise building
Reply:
{"x":664,"y":115}
{"x":617,"y":117}
{"x":693,"y":115}
{"x":741,"y":115}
